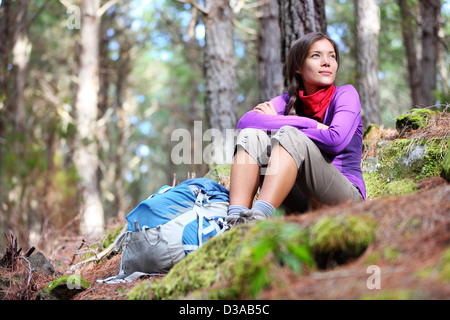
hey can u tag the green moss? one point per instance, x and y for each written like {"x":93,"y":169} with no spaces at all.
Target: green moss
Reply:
{"x":200,"y":268}
{"x":434,"y":156}
{"x":374,"y":184}
{"x":140,"y":292}
{"x":445,"y":170}
{"x":110,"y":236}
{"x":402,"y":164}
{"x":415,"y":119}
{"x":345,"y":233}
{"x":400,"y":187}
{"x":74,"y":280}
{"x":64,"y":288}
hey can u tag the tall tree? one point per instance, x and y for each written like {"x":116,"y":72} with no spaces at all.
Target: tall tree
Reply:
{"x":420,"y":29}
{"x":409,"y":29}
{"x":367,"y":31}
{"x":220,"y":73}
{"x":86,"y":149}
{"x":21,"y":57}
{"x":298,"y":17}
{"x":430,"y":13}
{"x":270,"y":68}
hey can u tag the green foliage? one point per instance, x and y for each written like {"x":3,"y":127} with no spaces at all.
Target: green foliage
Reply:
{"x":268,"y":246}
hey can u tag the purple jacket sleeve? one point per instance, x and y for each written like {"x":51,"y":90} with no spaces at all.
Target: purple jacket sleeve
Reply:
{"x":343,"y":117}
{"x":253,"y":119}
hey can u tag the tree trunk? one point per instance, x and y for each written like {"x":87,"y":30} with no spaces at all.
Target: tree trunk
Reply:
{"x":430,"y":14}
{"x":270,"y":75}
{"x":86,"y":150}
{"x":299,"y":17}
{"x":409,"y":28}
{"x":4,"y":54}
{"x":21,"y":57}
{"x":220,"y":73}
{"x":367,"y":31}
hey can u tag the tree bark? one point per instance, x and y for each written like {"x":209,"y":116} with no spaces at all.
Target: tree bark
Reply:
{"x":367,"y":31}
{"x":220,"y":73}
{"x":430,"y":13}
{"x":299,"y":17}
{"x":270,"y":68}
{"x":86,"y":149}
{"x":409,"y":28}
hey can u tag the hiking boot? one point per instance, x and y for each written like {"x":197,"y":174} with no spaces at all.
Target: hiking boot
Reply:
{"x":245,"y":216}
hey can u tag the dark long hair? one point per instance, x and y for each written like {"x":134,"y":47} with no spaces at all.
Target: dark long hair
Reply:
{"x":296,"y":57}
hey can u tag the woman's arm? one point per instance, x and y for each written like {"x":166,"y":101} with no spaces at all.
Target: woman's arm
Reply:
{"x":270,"y":116}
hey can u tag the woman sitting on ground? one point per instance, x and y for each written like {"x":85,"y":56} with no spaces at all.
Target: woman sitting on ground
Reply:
{"x":314,"y":156}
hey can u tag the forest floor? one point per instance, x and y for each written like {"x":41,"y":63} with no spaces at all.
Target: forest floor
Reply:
{"x":411,"y":250}
{"x":412,"y":265}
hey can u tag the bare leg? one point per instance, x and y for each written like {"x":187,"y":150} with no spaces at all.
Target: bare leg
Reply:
{"x":244,"y":179}
{"x":280,"y":177}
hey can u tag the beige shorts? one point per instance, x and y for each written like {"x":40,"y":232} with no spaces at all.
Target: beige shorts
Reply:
{"x":318,"y":180}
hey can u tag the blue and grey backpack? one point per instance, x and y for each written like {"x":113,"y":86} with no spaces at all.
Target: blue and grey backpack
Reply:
{"x":168,"y":225}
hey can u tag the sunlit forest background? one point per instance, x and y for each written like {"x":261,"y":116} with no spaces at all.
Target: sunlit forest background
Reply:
{"x":151,"y":81}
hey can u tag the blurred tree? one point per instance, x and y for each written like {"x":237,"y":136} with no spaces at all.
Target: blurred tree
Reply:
{"x":220,"y":72}
{"x":270,"y":68}
{"x":420,"y":23}
{"x":367,"y":30}
{"x":86,"y":147}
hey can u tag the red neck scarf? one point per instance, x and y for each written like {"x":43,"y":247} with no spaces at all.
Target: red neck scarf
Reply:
{"x":317,"y":103}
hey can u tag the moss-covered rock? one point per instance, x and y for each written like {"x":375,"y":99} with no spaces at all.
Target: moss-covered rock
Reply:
{"x":335,"y":239}
{"x":248,"y":259}
{"x":414,"y":119}
{"x":140,"y":292}
{"x":398,"y":168}
{"x":64,"y":288}
{"x":238,"y":264}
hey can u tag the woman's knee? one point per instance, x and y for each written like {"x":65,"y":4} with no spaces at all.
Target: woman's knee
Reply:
{"x":294,"y":141}
{"x":255,"y":142}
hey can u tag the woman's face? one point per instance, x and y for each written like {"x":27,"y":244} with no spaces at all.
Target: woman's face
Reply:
{"x":320,"y":66}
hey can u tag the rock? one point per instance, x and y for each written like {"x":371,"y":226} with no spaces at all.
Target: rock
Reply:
{"x":40,"y":263}
{"x":414,"y":119}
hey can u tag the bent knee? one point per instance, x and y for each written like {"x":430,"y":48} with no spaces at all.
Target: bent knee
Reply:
{"x":292,"y":134}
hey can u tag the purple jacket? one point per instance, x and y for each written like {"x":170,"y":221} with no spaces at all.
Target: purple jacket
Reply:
{"x":342,"y":143}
